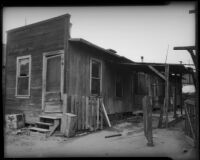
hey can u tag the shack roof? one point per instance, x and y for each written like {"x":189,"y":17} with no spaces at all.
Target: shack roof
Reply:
{"x":106,"y":51}
{"x":136,"y":66}
{"x":144,"y":67}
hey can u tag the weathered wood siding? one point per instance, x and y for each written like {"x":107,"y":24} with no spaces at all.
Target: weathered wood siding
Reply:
{"x":32,"y":40}
{"x":79,"y":78}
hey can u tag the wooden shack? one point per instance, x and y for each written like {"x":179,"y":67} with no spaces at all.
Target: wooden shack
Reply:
{"x":47,"y":71}
{"x":44,"y":63}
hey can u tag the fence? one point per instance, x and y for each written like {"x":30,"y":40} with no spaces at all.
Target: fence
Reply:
{"x":88,"y":111}
{"x":190,"y":121}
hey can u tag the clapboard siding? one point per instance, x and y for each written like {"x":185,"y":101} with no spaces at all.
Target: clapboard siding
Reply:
{"x":32,"y":40}
{"x":79,"y":79}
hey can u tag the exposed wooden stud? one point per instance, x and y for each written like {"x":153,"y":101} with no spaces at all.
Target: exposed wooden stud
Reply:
{"x":97,"y":113}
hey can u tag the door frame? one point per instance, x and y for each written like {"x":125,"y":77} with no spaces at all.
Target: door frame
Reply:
{"x":44,"y":71}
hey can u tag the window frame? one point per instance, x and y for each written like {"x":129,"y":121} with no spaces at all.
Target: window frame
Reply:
{"x":121,"y":79}
{"x":17,"y":76}
{"x":99,"y":61}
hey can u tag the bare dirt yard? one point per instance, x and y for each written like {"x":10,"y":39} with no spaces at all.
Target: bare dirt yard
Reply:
{"x":132,"y":142}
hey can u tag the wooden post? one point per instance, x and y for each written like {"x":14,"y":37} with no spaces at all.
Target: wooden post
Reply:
{"x":86,"y":114}
{"x":64,"y":103}
{"x":174,"y":99}
{"x":166,"y":94}
{"x":181,"y":103}
{"x":147,"y":110}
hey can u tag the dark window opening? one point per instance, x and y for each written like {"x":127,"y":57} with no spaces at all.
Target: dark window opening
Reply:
{"x":95,"y":77}
{"x":119,"y":87}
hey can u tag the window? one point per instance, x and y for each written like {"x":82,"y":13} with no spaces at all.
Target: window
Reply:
{"x":119,"y":86}
{"x":95,"y":77}
{"x":23,"y":76}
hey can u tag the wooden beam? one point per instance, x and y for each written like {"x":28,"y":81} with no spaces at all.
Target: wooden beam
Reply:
{"x":184,"y":47}
{"x":181,"y":104}
{"x":157,"y":72}
{"x":105,"y":113}
{"x":147,"y":110}
{"x":175,"y":98}
{"x":166,"y":93}
{"x":192,"y":11}
{"x":194,"y":57}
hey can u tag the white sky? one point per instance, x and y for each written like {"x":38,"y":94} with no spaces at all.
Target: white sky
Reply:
{"x":132,"y":31}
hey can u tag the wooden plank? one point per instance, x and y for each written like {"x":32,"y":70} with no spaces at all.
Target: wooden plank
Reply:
{"x":64,"y":103}
{"x":79,"y":112}
{"x":92,"y":114}
{"x":144,"y":106}
{"x":82,"y":112}
{"x":181,"y":100}
{"x":157,"y":72}
{"x":97,"y":113}
{"x":166,"y":93}
{"x":87,"y":110}
{"x":147,"y":109}
{"x":160,"y":122}
{"x":105,"y":114}
{"x":190,"y":124}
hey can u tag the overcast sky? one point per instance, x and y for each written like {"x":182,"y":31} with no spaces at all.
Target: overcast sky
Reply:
{"x":132,"y":31}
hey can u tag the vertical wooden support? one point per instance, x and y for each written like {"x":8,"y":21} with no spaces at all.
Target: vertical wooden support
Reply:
{"x":101,"y":114}
{"x":87,"y":110}
{"x":97,"y":113}
{"x":83,"y":112}
{"x":64,"y":103}
{"x":181,"y":101}
{"x":147,"y":110}
{"x":166,"y":94}
{"x":175,"y":97}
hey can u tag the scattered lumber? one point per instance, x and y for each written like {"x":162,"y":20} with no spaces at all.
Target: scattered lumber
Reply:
{"x":105,"y":114}
{"x":114,"y":135}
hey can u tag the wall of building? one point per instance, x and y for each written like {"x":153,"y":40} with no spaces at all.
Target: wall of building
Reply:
{"x":79,"y":83}
{"x":31,"y":40}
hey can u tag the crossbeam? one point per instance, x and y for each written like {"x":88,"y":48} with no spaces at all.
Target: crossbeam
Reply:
{"x":157,"y":72}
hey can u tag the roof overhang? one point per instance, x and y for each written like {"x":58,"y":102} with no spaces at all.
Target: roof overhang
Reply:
{"x":106,"y":51}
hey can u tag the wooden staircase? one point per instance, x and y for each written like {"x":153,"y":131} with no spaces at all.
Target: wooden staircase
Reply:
{"x":46,"y":125}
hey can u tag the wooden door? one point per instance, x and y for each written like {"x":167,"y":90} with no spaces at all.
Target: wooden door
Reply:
{"x":53,"y":82}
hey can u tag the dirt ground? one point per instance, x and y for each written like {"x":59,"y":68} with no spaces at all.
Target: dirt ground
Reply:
{"x":167,"y":143}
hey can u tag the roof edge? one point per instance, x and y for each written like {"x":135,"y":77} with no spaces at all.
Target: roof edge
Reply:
{"x":98,"y":47}
{"x":36,"y":23}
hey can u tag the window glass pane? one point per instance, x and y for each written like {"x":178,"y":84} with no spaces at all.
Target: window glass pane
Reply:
{"x":119,"y":87}
{"x":95,"y":69}
{"x":22,"y":87}
{"x":95,"y":86}
{"x":24,"y":67}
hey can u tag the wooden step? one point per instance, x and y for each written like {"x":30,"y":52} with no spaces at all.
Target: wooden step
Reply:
{"x":44,"y":123}
{"x":49,"y":117}
{"x":39,"y":129}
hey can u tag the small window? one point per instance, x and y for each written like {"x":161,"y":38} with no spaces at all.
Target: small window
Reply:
{"x":119,"y":86}
{"x":95,"y":77}
{"x":23,"y":76}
